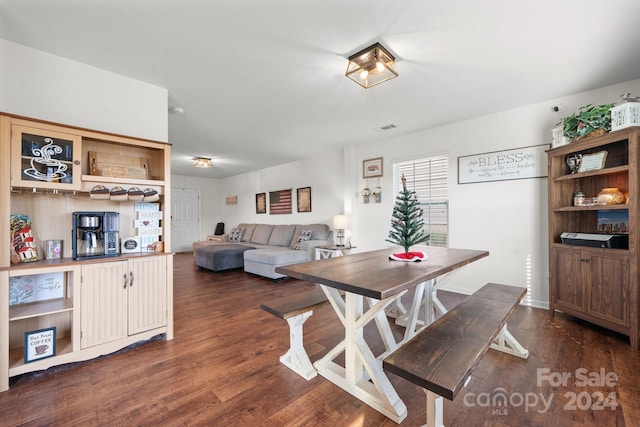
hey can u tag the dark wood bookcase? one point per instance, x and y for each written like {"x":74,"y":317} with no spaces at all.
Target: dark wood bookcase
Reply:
{"x":599,"y":285}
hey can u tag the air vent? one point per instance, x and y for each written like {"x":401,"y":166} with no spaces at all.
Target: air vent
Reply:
{"x":388,"y":127}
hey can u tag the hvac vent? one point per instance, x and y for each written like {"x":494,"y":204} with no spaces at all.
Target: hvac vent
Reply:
{"x":388,"y":127}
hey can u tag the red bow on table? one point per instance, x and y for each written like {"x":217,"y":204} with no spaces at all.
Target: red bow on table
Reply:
{"x":409,"y":256}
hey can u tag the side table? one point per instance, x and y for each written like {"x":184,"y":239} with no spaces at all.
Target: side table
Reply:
{"x":332,"y":251}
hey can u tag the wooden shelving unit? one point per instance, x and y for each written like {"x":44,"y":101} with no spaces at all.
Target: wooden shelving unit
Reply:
{"x":596,"y":284}
{"x":50,"y":201}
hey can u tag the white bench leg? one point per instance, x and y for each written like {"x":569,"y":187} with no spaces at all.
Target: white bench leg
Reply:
{"x":506,"y":343}
{"x":296,"y":358}
{"x":435,"y":413}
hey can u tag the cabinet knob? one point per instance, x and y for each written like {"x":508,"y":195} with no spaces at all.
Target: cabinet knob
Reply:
{"x":131,"y":279}
{"x":124,"y":276}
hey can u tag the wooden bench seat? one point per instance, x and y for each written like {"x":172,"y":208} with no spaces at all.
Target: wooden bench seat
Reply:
{"x":296,"y":309}
{"x":441,"y":358}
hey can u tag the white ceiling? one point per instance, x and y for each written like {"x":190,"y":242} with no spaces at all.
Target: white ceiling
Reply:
{"x":262,"y":81}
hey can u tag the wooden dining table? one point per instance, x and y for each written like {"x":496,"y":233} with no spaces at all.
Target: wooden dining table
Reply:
{"x":372,"y":277}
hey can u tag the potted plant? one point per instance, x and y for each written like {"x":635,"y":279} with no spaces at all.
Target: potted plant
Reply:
{"x":589,"y":120}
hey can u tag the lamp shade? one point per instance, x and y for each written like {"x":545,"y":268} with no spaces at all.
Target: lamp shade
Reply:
{"x":339,"y":222}
{"x":372,"y":66}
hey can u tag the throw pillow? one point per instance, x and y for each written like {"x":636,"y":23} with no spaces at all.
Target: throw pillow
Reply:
{"x":235,"y":235}
{"x":302,"y":237}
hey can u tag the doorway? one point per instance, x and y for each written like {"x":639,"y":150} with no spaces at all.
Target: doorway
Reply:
{"x":185,"y":218}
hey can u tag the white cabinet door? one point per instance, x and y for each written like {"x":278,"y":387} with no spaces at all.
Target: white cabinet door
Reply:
{"x":103,"y":315}
{"x":147,"y":293}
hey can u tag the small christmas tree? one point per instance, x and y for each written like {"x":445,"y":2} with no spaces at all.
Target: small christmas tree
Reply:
{"x":406,"y":220}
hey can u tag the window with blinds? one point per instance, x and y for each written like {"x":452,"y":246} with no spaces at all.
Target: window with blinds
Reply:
{"x":428,"y":178}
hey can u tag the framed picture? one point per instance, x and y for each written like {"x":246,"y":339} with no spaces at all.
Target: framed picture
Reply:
{"x":261,"y":203}
{"x":593,"y":162}
{"x":39,"y":344}
{"x":280,"y":202}
{"x":304,"y":199}
{"x":372,"y":168}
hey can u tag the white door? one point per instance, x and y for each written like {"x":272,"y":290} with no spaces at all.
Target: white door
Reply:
{"x":185,"y":218}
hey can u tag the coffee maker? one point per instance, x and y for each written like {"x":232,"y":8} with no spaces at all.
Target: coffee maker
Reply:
{"x":95,"y":234}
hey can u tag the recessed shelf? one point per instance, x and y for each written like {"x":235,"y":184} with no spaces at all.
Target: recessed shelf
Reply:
{"x":591,"y":208}
{"x":16,"y":358}
{"x":40,"y":308}
{"x":606,"y":171}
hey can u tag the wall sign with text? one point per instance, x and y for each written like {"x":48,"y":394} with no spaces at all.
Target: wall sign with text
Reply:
{"x":518,"y":163}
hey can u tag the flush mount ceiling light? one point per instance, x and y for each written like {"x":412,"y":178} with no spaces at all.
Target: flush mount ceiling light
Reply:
{"x":372,"y":66}
{"x":202,"y":162}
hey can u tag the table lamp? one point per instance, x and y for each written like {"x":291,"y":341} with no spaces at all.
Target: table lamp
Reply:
{"x":339,"y":224}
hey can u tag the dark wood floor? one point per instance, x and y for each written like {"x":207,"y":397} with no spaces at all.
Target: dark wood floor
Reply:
{"x":222,"y":369}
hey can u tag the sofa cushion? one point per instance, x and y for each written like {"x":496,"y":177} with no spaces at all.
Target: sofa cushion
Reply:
{"x":318,"y":232}
{"x":248,"y":231}
{"x":275,"y":256}
{"x":221,"y":257}
{"x":303,"y":236}
{"x":262,"y":233}
{"x":282,"y":235}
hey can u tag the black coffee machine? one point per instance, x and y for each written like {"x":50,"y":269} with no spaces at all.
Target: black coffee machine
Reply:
{"x":95,"y":234}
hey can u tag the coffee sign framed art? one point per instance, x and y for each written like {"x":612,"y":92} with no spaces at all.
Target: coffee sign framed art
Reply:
{"x":518,"y":163}
{"x":39,"y":344}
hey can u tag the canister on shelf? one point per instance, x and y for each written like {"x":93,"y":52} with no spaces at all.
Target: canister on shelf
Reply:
{"x":578,"y":198}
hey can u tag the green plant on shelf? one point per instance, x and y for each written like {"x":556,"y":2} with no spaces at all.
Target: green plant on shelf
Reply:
{"x":588,"y":119}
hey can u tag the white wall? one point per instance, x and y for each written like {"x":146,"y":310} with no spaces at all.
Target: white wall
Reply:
{"x":323,"y":174}
{"x":507,"y":218}
{"x":48,"y":87}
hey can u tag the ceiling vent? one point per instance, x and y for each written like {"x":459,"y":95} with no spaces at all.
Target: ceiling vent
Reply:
{"x":388,"y":127}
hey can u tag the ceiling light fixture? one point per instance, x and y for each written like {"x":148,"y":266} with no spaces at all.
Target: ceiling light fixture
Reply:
{"x":372,"y":66}
{"x":202,"y":162}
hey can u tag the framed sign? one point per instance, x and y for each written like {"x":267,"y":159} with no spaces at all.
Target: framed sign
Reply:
{"x":261,"y":203}
{"x":39,"y":344}
{"x":372,"y":168}
{"x":519,"y":163}
{"x":593,"y":162}
{"x":304,"y":199}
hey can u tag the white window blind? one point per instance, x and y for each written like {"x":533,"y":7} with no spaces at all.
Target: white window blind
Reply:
{"x":428,"y":178}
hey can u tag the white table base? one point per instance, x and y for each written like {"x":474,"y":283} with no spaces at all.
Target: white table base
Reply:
{"x":362,"y":376}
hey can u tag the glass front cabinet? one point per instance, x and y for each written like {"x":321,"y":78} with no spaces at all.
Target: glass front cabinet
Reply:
{"x":44,"y":158}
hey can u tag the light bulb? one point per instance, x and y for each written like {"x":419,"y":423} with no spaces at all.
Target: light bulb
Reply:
{"x":379,"y":66}
{"x":364,"y":74}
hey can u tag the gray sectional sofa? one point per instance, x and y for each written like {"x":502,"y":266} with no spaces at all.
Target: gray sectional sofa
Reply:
{"x":260,"y":248}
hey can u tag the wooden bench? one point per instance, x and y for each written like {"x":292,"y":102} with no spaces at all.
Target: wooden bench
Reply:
{"x":296,"y":309}
{"x":440,"y":359}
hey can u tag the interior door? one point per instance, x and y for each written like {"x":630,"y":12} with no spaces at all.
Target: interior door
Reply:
{"x":185,"y":218}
